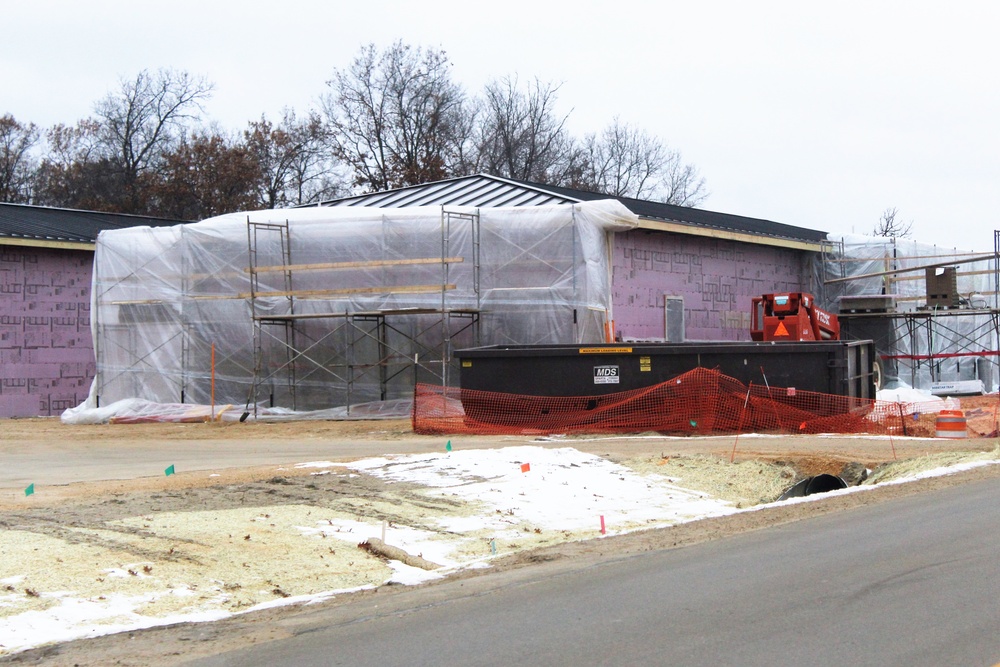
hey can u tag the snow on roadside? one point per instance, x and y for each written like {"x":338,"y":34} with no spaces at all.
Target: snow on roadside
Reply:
{"x":551,"y":489}
{"x":504,"y":500}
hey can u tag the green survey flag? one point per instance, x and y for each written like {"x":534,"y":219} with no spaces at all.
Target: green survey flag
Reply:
{"x":30,"y":490}
{"x":447,"y":447}
{"x":169,"y":471}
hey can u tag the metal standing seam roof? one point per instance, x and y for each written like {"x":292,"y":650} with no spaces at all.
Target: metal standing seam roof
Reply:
{"x":484,"y":190}
{"x":481,"y":191}
{"x":42,"y":224}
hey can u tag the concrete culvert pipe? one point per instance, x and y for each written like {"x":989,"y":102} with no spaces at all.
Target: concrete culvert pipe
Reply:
{"x":810,"y":485}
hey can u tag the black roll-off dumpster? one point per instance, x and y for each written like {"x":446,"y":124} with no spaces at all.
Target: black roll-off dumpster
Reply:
{"x":842,"y":368}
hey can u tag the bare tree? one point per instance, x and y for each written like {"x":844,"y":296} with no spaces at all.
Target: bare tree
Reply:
{"x":294,"y":167}
{"x":68,"y":144}
{"x":520,"y":136}
{"x":683,"y":185}
{"x":889,"y":225}
{"x":142,"y":121}
{"x":392,"y":116}
{"x":628,"y":162}
{"x":113,"y":161}
{"x":17,"y":164}
{"x":464,"y":157}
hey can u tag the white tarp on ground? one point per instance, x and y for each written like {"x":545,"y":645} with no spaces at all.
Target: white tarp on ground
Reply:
{"x":367,"y":288}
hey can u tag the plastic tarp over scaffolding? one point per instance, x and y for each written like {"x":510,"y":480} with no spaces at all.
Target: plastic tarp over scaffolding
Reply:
{"x":313,"y":308}
{"x":937,"y":323}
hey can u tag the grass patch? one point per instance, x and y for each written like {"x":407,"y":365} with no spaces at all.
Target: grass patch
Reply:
{"x":895,"y":470}
{"x":743,"y":483}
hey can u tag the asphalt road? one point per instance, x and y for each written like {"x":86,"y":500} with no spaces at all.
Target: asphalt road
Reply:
{"x":908,"y":582}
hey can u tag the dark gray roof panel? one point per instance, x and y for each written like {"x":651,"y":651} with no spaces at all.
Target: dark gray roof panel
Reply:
{"x":485,"y":190}
{"x":482,"y":191}
{"x":40,"y":223}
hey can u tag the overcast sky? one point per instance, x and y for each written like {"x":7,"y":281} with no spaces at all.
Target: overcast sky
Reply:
{"x":814,"y":114}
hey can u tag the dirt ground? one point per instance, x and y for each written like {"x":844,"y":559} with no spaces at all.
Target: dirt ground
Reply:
{"x":218,"y":526}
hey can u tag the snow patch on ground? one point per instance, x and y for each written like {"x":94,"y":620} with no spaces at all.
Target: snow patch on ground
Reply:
{"x":509,"y":498}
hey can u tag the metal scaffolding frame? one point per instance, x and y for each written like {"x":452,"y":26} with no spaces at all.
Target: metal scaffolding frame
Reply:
{"x":311,"y":309}
{"x":926,"y":332}
{"x":924,"y":336}
{"x":350,"y":347}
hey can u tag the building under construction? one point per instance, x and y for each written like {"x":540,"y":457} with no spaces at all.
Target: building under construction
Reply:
{"x":357,"y":300}
{"x":312,"y":308}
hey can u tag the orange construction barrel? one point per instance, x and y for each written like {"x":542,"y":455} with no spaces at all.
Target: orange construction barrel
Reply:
{"x":951,"y":424}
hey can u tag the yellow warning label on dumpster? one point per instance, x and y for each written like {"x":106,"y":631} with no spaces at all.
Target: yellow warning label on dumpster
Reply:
{"x":605,"y":350}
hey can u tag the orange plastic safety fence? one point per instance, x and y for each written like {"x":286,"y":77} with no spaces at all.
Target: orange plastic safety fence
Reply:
{"x":700,"y":402}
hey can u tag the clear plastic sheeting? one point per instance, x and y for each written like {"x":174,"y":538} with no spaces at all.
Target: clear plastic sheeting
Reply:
{"x":925,"y":343}
{"x":889,"y":265}
{"x":139,"y":411}
{"x":305,"y":309}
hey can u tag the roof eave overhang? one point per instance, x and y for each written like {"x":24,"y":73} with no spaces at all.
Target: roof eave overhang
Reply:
{"x":692,"y":230}
{"x":46,"y":243}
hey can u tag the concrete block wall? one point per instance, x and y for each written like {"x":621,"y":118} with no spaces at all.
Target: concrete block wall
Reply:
{"x":716,"y":278}
{"x":46,"y":350}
